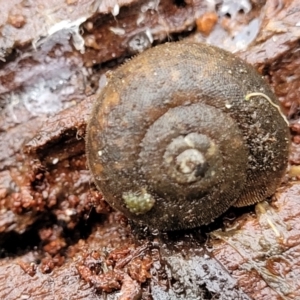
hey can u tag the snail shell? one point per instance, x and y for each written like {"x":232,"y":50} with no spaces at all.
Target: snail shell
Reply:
{"x":172,"y":141}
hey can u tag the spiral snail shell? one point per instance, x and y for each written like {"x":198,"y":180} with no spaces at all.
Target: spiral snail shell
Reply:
{"x":173,"y":141}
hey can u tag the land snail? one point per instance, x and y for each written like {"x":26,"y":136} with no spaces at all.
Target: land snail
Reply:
{"x":182,"y":132}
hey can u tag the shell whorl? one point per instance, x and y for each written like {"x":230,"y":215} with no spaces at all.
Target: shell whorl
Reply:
{"x":173,"y":143}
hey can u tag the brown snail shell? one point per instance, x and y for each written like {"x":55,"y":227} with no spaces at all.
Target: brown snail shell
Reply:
{"x":172,"y":141}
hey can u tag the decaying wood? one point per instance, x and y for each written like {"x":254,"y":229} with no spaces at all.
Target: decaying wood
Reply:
{"x":59,"y":238}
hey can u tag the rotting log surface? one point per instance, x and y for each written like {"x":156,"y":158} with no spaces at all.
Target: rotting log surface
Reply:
{"x":59,"y":238}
